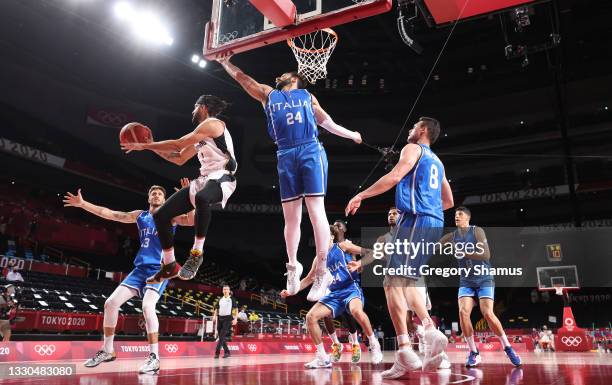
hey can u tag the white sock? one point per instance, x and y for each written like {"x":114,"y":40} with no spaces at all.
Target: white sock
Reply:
{"x":108,"y":344}
{"x":373,"y":340}
{"x":198,"y":244}
{"x":355,"y":339}
{"x":471,"y":343}
{"x":334,"y":338}
{"x":155,"y":349}
{"x":321,"y":349}
{"x":504,"y":340}
{"x":427,"y":323}
{"x":168,"y":256}
{"x":403,"y":339}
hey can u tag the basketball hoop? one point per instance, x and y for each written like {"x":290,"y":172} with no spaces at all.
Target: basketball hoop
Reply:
{"x":559,"y":290}
{"x":312,"y":51}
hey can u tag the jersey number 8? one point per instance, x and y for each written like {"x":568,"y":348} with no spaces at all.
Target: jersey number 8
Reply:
{"x":434,"y":177}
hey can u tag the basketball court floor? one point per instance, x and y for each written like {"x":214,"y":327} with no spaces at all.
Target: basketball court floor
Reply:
{"x":538,"y":368}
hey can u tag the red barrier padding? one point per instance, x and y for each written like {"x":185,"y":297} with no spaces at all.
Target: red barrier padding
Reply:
{"x":571,"y":338}
{"x":445,"y":11}
{"x":58,"y":321}
{"x":280,"y":12}
{"x":81,"y":350}
{"x":128,"y":324}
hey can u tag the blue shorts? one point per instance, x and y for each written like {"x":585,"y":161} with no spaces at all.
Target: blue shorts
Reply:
{"x":416,"y":229}
{"x":137,"y":280}
{"x":485,"y":291}
{"x":338,"y":300}
{"x":302,"y":171}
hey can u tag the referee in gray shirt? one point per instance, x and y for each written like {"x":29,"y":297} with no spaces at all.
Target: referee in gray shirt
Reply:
{"x":224,"y":315}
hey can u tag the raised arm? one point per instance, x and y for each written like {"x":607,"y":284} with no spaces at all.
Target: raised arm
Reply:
{"x":408,"y":157}
{"x":71,"y":200}
{"x":184,"y":219}
{"x":325,"y":121}
{"x":256,"y":90}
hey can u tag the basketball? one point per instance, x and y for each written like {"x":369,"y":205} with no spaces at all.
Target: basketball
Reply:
{"x":135,"y":133}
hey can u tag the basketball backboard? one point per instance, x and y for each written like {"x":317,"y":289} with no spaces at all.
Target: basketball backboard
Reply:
{"x":552,"y":277}
{"x":238,"y":26}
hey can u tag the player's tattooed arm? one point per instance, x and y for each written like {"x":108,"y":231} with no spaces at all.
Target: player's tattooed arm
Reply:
{"x":72,"y":200}
{"x":175,"y":156}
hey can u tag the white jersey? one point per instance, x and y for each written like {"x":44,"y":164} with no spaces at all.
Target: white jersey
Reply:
{"x":216,"y":155}
{"x":218,"y":163}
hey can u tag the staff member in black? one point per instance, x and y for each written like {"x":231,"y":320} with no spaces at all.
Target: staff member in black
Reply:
{"x":225,"y":316}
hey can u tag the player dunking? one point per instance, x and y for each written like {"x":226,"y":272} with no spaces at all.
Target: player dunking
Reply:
{"x":212,"y":143}
{"x":421,"y":195}
{"x":147,"y":262}
{"x":473,"y":285}
{"x":293,"y":114}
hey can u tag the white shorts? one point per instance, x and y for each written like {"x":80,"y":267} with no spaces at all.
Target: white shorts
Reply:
{"x":227,"y":182}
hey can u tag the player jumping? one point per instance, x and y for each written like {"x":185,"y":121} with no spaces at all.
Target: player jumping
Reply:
{"x":293,"y":114}
{"x":212,"y":143}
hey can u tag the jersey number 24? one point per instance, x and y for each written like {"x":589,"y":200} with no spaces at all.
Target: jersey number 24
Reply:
{"x":291,"y":118}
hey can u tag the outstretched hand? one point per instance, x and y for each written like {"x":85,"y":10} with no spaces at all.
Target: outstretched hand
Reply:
{"x":284,"y":293}
{"x":71,"y":200}
{"x":224,"y":57}
{"x":353,"y":205}
{"x":184,"y":183}
{"x":354,"y":266}
{"x":357,"y":139}
{"x":129,"y":147}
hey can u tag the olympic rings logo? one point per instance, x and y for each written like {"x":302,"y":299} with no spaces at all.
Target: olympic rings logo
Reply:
{"x":227,"y":37}
{"x":252,"y":347}
{"x":488,"y":346}
{"x":141,"y":323}
{"x":308,"y":347}
{"x":171,"y":348}
{"x":571,"y":340}
{"x":111,"y":118}
{"x":44,"y":350}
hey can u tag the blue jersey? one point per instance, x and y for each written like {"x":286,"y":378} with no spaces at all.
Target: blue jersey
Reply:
{"x":336,"y":264}
{"x":150,"y":252}
{"x":420,"y":191}
{"x":291,"y":119}
{"x":472,"y":280}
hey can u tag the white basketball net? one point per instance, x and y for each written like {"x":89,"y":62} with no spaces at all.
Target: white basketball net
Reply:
{"x":312,"y":51}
